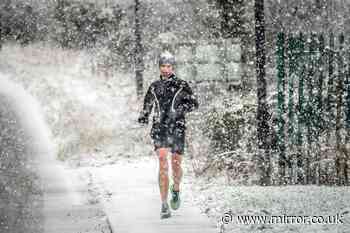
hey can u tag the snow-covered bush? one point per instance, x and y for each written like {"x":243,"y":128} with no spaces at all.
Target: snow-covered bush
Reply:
{"x":222,"y":137}
{"x":18,"y":22}
{"x":224,"y":130}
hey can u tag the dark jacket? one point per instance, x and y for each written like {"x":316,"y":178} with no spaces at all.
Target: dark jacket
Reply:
{"x":172,"y":98}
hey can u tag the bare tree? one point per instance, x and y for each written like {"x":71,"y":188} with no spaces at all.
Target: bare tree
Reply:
{"x":139,"y":63}
{"x":262,"y":113}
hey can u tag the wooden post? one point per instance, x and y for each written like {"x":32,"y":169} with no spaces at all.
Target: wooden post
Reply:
{"x":281,"y":107}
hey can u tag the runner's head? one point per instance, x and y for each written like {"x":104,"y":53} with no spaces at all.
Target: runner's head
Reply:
{"x":166,"y":64}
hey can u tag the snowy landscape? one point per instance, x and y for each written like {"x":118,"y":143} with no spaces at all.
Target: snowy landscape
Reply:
{"x":75,"y":159}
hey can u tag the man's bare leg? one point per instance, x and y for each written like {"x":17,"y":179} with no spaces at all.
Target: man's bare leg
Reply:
{"x":163,"y":178}
{"x":176,"y":159}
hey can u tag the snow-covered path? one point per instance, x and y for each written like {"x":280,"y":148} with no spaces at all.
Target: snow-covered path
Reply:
{"x":129,"y":193}
{"x":38,"y":192}
{"x":66,"y":206}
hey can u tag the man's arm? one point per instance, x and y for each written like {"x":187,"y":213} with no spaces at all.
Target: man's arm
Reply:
{"x":147,"y":106}
{"x":190,"y":102}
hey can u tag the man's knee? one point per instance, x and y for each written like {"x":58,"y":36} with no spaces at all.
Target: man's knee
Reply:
{"x":176,"y":159}
{"x":163,"y":162}
{"x":176,"y":164}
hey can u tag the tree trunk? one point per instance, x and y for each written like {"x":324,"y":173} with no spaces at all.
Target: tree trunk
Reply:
{"x":264,"y":165}
{"x":139,"y":63}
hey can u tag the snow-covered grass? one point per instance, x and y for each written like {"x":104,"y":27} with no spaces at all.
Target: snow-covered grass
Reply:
{"x":217,"y":198}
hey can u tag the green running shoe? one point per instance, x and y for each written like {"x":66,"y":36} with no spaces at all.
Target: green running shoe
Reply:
{"x":165,"y":211}
{"x":175,"y":200}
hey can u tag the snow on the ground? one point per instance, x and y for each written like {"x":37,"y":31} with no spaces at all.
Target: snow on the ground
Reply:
{"x":93,"y":119}
{"x":215,"y":198}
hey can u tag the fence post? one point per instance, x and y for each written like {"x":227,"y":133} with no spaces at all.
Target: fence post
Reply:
{"x":339,"y":90}
{"x":1,"y":31}
{"x":341,"y":161}
{"x":292,"y":62}
{"x":330,"y":87}
{"x":347,"y":88}
{"x":292,"y":75}
{"x":195,"y":61}
{"x":301,"y":110}
{"x":321,"y":77}
{"x":318,"y":103}
{"x":281,"y":107}
{"x":309,"y":119}
{"x":224,"y":60}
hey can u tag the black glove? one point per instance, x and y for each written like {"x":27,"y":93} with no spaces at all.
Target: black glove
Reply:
{"x":176,"y":114}
{"x":172,"y":115}
{"x":143,"y":120}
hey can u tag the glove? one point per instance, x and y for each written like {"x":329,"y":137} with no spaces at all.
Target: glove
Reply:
{"x":172,"y":115}
{"x":176,"y":114}
{"x":143,"y":120}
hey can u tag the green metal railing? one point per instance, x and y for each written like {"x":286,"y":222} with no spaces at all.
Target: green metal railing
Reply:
{"x":312,"y":79}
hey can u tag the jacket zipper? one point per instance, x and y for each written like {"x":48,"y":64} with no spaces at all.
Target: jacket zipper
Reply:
{"x":157,"y":104}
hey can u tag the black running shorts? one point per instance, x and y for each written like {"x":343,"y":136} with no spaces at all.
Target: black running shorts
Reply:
{"x":165,"y":137}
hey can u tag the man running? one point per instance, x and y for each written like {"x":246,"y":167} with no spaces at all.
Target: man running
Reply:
{"x":172,"y":99}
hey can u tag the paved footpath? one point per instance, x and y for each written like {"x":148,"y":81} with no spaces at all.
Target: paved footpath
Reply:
{"x":66,"y":207}
{"x":131,"y":200}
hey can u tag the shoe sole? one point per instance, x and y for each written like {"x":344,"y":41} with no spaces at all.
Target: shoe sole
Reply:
{"x":167,"y":215}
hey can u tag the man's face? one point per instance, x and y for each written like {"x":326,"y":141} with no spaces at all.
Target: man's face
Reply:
{"x":166,"y":70}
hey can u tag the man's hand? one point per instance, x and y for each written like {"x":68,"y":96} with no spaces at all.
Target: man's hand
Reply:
{"x":176,"y":114}
{"x":143,"y":120}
